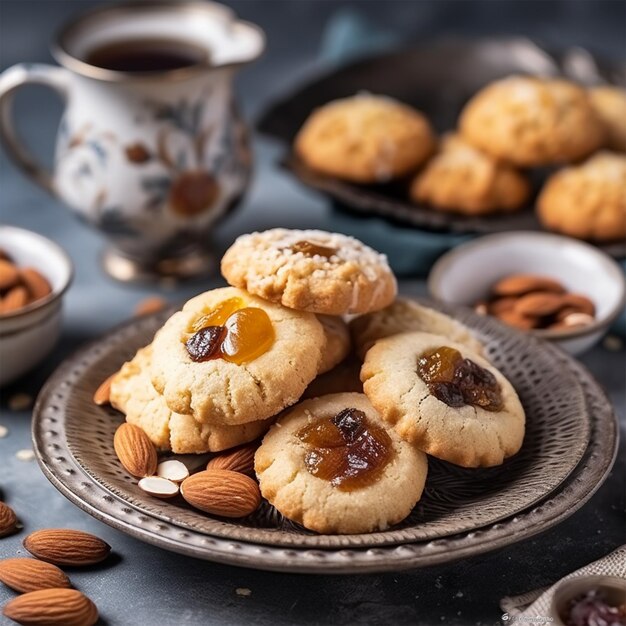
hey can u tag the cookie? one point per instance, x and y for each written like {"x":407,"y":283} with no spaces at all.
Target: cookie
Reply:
{"x":587,"y":201}
{"x":532,"y":121}
{"x":282,"y":352}
{"x":406,"y":315}
{"x":132,"y":393}
{"x":337,"y":341}
{"x":465,"y":180}
{"x":311,"y":270}
{"x":365,"y":139}
{"x":609,"y":104}
{"x":344,"y":377}
{"x":437,"y":417}
{"x":318,"y":487}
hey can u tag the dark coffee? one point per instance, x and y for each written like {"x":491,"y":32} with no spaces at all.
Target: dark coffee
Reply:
{"x":147,"y":55}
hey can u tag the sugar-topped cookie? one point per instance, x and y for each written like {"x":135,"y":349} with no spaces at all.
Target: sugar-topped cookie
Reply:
{"x":231,"y":358}
{"x":311,"y":270}
{"x":334,"y":466}
{"x":132,"y":393}
{"x":365,"y":139}
{"x":443,"y":398}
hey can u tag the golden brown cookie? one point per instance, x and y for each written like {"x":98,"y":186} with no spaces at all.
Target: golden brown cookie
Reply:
{"x":462,"y":179}
{"x":334,"y":466}
{"x":337,"y":341}
{"x":406,"y":315}
{"x":609,"y":104}
{"x":532,"y":121}
{"x":132,"y":393}
{"x":365,"y":139}
{"x":311,"y":270}
{"x":587,"y":201}
{"x":283,"y":347}
{"x":467,"y":413}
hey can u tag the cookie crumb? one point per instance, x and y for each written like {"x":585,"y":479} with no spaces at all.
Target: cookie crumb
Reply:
{"x":243,"y":591}
{"x":25,"y":455}
{"x":4,"y":431}
{"x":613,"y":343}
{"x":20,"y":402}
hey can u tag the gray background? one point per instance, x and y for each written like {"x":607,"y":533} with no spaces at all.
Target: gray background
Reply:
{"x":145,"y":585}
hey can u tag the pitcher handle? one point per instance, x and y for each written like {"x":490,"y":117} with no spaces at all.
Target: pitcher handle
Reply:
{"x":10,"y":81}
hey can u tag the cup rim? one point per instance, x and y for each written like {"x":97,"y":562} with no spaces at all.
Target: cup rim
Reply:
{"x":60,"y":50}
{"x":54,"y":295}
{"x":438,"y":270}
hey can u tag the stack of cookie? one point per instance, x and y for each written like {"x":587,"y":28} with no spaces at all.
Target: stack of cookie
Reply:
{"x":350,"y":457}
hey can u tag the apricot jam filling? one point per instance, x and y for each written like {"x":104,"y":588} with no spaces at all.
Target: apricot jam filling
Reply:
{"x":457,"y":381}
{"x":348,"y":450}
{"x":231,"y":331}
{"x":311,"y":249}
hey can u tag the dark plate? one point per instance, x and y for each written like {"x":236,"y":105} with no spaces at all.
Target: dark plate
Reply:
{"x":437,"y":78}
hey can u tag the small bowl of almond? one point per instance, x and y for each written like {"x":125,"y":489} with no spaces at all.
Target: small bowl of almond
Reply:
{"x":558,"y":288}
{"x":34,"y":274}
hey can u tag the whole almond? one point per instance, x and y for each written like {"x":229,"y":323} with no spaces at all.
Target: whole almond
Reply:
{"x":539,"y":304}
{"x":16,"y":298}
{"x":135,"y":451}
{"x":497,"y":306}
{"x":52,"y":607}
{"x":520,"y":284}
{"x":237,"y":460}
{"x":8,"y":520}
{"x":102,"y":394}
{"x":63,"y":546}
{"x":577,"y":303}
{"x":222,"y":492}
{"x":26,"y":575}
{"x":512,"y":318}
{"x":9,"y":275}
{"x":36,"y":283}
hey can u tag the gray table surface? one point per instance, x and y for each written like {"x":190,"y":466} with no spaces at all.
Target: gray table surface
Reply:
{"x":146,"y":585}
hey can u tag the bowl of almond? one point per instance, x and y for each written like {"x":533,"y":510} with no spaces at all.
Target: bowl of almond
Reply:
{"x":563,"y":290}
{"x":34,"y":274}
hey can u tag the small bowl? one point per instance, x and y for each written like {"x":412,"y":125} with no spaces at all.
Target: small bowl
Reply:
{"x":28,"y":335}
{"x":612,"y":587}
{"x":465,"y":275}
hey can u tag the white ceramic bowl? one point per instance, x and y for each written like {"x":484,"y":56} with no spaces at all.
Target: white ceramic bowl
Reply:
{"x":28,"y":335}
{"x":464,"y":276}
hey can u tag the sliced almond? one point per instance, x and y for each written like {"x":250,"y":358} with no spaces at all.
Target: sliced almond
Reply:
{"x":158,"y":486}
{"x":173,"y":470}
{"x":577,"y":319}
{"x":102,"y":394}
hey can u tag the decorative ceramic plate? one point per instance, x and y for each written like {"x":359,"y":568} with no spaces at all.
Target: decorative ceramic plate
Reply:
{"x":437,"y":78}
{"x":74,"y":444}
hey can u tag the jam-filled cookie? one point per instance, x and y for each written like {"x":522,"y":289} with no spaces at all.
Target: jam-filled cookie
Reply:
{"x":311,"y":270}
{"x":532,"y":121}
{"x":334,"y":466}
{"x":132,"y":393}
{"x":445,"y":399}
{"x":337,"y":341}
{"x":365,"y":139}
{"x":465,"y":180}
{"x":230,"y":358}
{"x":404,"y":316}
{"x":587,"y":201}
{"x":610,"y":105}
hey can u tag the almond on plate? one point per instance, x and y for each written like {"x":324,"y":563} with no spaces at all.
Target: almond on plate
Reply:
{"x":102,"y":395}
{"x":26,"y":575}
{"x":63,"y":546}
{"x":135,"y":451}
{"x":222,"y":492}
{"x":8,"y":520}
{"x":52,"y":607}
{"x":237,"y":460}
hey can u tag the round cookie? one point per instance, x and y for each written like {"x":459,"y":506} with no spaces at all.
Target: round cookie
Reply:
{"x":609,"y":104}
{"x":587,"y":201}
{"x":404,"y":316}
{"x":532,"y":121}
{"x":311,"y":270}
{"x":466,"y":435}
{"x":132,"y":393}
{"x":465,"y":180}
{"x":218,"y":391}
{"x":365,"y":139}
{"x":315,"y":502}
{"x":337,"y":341}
